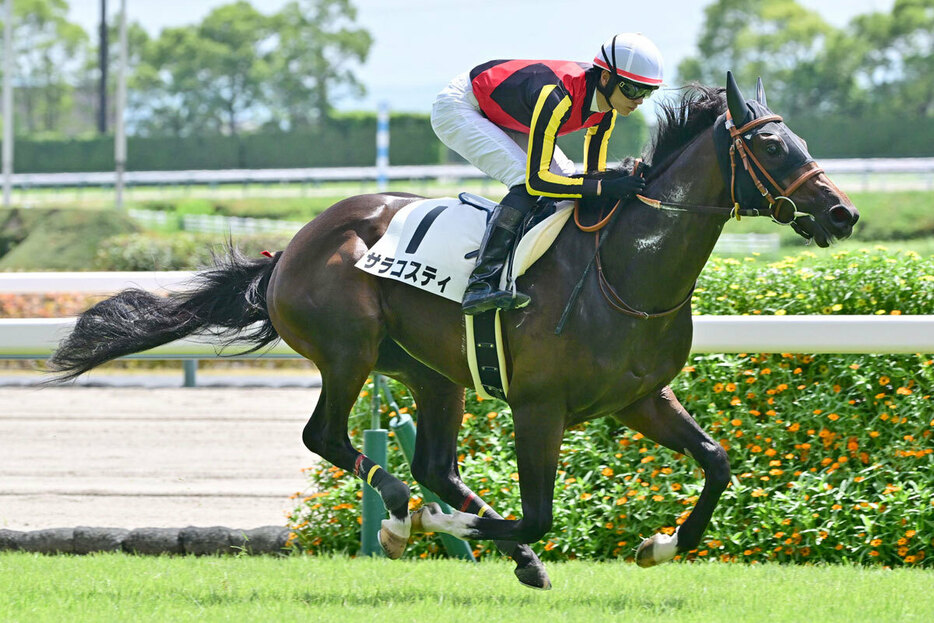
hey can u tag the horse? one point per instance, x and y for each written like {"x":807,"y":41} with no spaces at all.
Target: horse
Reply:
{"x":626,"y":329}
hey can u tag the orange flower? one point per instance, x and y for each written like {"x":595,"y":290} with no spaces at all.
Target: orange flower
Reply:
{"x":607,"y":472}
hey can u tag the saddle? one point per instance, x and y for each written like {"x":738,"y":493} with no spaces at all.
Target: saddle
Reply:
{"x":432,"y":244}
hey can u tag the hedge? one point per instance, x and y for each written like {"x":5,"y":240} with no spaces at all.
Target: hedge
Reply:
{"x":344,"y":140}
{"x":179,"y":251}
{"x":350,"y":140}
{"x":831,"y":454}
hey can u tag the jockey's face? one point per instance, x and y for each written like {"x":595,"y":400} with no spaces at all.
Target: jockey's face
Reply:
{"x":618,"y":102}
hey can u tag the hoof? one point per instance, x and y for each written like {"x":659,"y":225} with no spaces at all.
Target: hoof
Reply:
{"x":423,"y":516}
{"x":534,"y":576}
{"x":392,"y":543}
{"x":656,"y":550}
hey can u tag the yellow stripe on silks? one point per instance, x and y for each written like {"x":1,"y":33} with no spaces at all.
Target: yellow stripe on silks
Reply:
{"x":483,"y":510}
{"x":601,"y":163}
{"x":543,"y":166}
{"x":369,"y":476}
{"x":500,"y":355}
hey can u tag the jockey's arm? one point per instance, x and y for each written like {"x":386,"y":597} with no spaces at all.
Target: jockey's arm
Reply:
{"x":596,"y":141}
{"x":552,"y":109}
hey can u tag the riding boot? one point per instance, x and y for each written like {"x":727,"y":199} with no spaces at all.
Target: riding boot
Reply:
{"x":483,"y":292}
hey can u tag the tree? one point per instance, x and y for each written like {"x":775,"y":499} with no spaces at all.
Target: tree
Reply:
{"x":778,"y":40}
{"x":317,"y":45}
{"x":211,"y":77}
{"x":897,"y":64}
{"x":880,"y":63}
{"x":50,"y":53}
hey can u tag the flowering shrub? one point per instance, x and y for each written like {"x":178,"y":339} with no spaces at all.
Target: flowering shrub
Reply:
{"x":55,"y":305}
{"x":869,"y":281}
{"x":831,"y":454}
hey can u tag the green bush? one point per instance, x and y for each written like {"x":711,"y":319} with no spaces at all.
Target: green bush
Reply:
{"x":50,"y":239}
{"x":831,"y":454}
{"x":178,"y":251}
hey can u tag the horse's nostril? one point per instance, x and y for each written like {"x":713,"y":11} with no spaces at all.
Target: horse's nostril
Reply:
{"x":842,"y":216}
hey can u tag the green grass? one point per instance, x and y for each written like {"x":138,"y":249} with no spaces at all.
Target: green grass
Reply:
{"x":115,"y":587}
{"x":57,"y":239}
{"x":890,"y":216}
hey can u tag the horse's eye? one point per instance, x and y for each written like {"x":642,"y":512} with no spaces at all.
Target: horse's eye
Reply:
{"x":772,"y":149}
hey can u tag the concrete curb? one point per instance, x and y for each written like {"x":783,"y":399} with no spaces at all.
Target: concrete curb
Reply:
{"x":215,"y":540}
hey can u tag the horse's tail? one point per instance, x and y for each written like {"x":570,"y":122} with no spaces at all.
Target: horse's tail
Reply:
{"x":225,"y":301}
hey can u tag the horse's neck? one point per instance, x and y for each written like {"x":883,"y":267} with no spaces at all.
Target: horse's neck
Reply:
{"x":654,"y":256}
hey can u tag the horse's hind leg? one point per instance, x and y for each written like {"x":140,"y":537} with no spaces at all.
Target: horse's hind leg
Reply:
{"x":326,"y":434}
{"x":440,"y":412}
{"x":661,"y":418}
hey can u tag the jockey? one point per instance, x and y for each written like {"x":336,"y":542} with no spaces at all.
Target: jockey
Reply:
{"x":503,"y":117}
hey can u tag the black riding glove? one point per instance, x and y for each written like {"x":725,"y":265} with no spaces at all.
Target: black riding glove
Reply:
{"x":621,"y":186}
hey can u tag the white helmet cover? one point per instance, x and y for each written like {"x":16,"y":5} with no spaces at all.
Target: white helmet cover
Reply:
{"x":633,"y":56}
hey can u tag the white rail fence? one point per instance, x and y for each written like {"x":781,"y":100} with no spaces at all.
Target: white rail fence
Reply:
{"x":848,"y":172}
{"x":37,"y":338}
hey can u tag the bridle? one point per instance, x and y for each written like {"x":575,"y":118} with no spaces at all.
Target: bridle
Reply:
{"x":781,"y":208}
{"x":739,"y":147}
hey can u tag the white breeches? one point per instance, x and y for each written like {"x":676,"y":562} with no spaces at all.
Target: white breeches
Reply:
{"x":498,"y":152}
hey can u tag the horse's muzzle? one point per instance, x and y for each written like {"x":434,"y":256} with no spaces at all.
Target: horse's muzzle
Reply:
{"x":841,"y":219}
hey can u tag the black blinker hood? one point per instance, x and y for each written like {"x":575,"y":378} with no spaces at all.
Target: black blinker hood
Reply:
{"x":746,"y":192}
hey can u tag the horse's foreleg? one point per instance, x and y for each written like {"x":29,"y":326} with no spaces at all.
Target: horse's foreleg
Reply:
{"x":441,"y":407}
{"x":661,"y":418}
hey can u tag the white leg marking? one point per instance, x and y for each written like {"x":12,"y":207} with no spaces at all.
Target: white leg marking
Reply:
{"x":458,"y":524}
{"x":400,"y":528}
{"x":665,"y":547}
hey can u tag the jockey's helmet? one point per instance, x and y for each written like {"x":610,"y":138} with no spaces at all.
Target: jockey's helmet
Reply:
{"x":631,"y":56}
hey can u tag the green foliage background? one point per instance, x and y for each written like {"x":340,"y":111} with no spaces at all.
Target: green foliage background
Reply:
{"x":831,"y":454}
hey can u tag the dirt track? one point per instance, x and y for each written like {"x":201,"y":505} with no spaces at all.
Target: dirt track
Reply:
{"x":131,"y":457}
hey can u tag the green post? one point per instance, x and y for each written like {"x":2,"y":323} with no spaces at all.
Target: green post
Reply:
{"x":190,"y":368}
{"x":404,"y":428}
{"x":375,"y":444}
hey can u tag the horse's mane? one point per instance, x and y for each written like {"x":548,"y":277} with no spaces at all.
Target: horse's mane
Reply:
{"x":681,"y":120}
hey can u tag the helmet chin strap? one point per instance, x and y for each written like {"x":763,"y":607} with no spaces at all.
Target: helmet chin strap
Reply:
{"x":607,"y":89}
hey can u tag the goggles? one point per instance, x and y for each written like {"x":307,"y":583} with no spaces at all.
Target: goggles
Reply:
{"x":633,"y":91}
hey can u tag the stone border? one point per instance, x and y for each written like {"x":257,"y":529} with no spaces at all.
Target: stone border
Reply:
{"x":214,"y":540}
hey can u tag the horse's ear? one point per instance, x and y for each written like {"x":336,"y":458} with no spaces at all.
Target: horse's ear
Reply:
{"x":760,"y":93}
{"x":735,"y":100}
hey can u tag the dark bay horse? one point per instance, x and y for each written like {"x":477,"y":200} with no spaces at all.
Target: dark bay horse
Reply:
{"x":626,"y":337}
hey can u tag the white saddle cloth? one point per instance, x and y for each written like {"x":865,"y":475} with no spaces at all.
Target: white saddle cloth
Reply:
{"x":427,"y":241}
